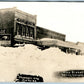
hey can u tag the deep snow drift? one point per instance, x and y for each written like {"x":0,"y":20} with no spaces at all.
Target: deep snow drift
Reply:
{"x":32,"y":61}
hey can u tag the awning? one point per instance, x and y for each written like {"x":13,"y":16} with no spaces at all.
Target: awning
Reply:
{"x":56,"y":42}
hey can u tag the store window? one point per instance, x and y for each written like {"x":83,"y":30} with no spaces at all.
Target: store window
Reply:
{"x":5,"y":37}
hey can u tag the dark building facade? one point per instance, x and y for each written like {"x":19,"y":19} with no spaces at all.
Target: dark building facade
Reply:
{"x":45,"y":33}
{"x":16,"y":22}
{"x":16,"y":25}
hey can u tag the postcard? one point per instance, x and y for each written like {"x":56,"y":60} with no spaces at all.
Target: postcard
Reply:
{"x":41,"y":42}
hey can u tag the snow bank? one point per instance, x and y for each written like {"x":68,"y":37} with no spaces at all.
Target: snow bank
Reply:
{"x":43,"y":39}
{"x":32,"y":61}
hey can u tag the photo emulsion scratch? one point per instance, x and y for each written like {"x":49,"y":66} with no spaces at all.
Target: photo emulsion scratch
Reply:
{"x":32,"y":53}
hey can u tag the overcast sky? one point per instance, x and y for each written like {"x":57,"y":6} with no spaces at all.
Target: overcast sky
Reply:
{"x":62,"y":17}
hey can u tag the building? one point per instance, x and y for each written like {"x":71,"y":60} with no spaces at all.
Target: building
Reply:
{"x":45,"y":33}
{"x":16,"y":22}
{"x":18,"y":26}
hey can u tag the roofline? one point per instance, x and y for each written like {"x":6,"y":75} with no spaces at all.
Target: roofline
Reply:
{"x":52,"y":31}
{"x":15,"y":8}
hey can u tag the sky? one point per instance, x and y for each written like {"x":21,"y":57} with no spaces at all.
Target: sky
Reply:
{"x":63,"y":17}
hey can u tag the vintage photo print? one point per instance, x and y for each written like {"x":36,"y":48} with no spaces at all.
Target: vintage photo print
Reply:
{"x":41,"y":42}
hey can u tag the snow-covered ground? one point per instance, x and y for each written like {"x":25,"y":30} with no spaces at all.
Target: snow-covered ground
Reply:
{"x":32,"y":61}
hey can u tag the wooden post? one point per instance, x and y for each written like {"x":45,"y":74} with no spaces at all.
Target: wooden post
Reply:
{"x":22,"y":29}
{"x":15,"y":26}
{"x":35,"y":28}
{"x":66,"y":50}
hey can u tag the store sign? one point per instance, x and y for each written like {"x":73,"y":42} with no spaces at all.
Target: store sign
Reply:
{"x":26,"y":22}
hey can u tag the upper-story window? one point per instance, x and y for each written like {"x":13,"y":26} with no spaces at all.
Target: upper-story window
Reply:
{"x":2,"y":31}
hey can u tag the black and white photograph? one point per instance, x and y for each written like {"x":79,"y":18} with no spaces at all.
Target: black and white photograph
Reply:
{"x":41,"y":42}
